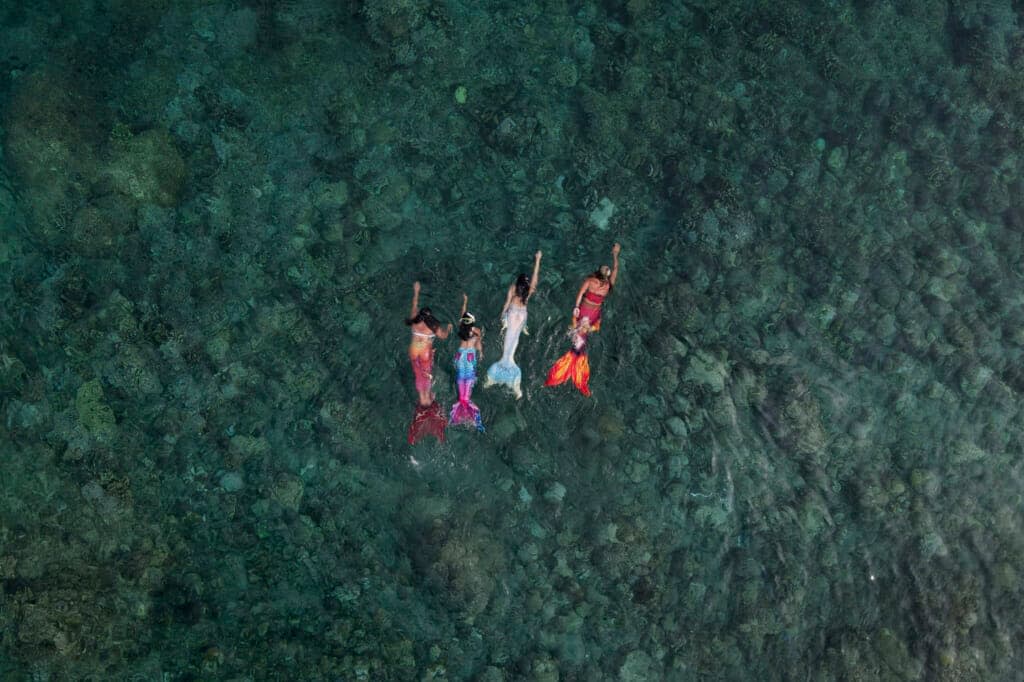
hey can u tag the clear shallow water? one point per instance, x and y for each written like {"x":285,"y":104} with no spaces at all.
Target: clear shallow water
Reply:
{"x":802,"y":457}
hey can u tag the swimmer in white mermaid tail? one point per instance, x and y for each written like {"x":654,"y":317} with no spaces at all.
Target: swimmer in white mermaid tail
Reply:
{"x":513,"y":320}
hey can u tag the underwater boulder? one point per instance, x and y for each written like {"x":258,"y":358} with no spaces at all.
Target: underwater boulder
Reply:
{"x":98,"y":229}
{"x":147,"y":168}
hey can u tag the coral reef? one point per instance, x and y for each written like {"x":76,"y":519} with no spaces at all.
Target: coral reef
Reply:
{"x":802,"y":457}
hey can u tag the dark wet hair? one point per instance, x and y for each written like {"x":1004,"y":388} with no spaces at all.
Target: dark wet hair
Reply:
{"x":598,"y":274}
{"x":466,"y":329}
{"x":426,"y":317}
{"x":522,"y":287}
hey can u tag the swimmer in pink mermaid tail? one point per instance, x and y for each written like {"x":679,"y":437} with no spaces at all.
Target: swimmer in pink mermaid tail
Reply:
{"x":513,"y":319}
{"x":586,"y":319}
{"x":469,"y":353}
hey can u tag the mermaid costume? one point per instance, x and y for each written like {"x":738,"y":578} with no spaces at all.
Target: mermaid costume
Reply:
{"x":465,"y":411}
{"x":574,"y":364}
{"x":427,"y":420}
{"x":506,"y":371}
{"x":423,"y":368}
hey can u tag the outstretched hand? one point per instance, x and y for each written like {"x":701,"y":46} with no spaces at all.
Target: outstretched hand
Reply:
{"x":416,"y":287}
{"x":538,"y":254}
{"x":616,"y":248}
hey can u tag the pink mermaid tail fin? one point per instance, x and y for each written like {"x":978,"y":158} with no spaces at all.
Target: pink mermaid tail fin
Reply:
{"x":466,"y":412}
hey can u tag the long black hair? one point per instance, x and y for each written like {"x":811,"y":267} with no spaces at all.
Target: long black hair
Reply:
{"x":466,"y":325}
{"x":522,"y":287}
{"x":426,"y":317}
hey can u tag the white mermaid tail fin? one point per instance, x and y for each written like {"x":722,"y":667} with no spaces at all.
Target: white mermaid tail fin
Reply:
{"x":507,"y":374}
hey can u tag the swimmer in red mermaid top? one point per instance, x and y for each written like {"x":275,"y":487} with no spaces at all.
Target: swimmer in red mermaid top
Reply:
{"x":586,"y":319}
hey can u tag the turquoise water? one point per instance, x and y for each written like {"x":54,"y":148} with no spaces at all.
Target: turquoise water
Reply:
{"x":802,"y":458}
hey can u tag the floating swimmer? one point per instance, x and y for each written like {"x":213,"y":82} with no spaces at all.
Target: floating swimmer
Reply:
{"x":428,"y":419}
{"x":586,"y":319}
{"x":513,"y":317}
{"x":469,"y":353}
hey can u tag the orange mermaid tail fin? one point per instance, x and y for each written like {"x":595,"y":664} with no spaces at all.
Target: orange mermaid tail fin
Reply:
{"x":573,"y":366}
{"x":561,"y":370}
{"x":581,"y":374}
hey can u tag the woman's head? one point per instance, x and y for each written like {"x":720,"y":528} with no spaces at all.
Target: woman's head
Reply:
{"x":602,"y":273}
{"x":426,"y":317}
{"x":522,"y":287}
{"x":466,"y":326}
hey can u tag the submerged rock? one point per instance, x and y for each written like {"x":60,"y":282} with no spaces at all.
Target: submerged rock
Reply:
{"x":468,"y":565}
{"x":893,"y":652}
{"x":232,"y":481}
{"x":611,"y":426}
{"x":544,"y":669}
{"x":638,"y":667}
{"x":147,"y":168}
{"x":93,"y":413}
{"x":677,"y":427}
{"x":51,"y":126}
{"x":288,"y":491}
{"x":706,"y":369}
{"x":556,"y":493}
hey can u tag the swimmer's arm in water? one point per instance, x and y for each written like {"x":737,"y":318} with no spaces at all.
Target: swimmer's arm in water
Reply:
{"x":415,"y":300}
{"x":579,"y":298}
{"x":615,"y":263}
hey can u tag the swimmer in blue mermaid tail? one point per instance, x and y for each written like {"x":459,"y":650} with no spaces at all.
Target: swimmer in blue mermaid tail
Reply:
{"x":513,"y":321}
{"x":469,"y":353}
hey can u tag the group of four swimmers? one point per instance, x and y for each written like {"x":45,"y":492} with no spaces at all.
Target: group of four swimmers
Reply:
{"x":429,"y":419}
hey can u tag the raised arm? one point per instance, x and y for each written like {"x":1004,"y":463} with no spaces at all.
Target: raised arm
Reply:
{"x":465,"y":304}
{"x":615,"y":263}
{"x":415,"y":300}
{"x":536,"y":272}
